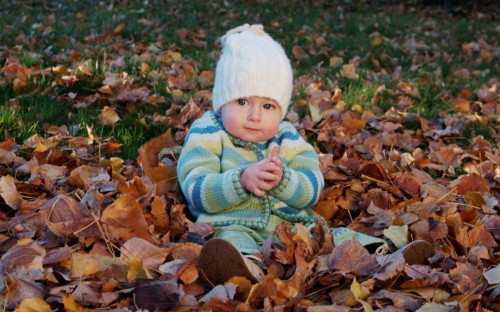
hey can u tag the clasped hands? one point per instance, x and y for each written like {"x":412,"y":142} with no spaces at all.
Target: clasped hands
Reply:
{"x":264,"y":175}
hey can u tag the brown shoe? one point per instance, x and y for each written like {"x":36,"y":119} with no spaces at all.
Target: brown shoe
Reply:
{"x":220,"y":260}
{"x":416,"y":252}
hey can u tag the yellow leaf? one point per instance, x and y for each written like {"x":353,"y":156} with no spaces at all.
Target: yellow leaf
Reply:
{"x":253,"y":292}
{"x":70,"y":305}
{"x":176,"y":56}
{"x":475,"y":199}
{"x":33,"y":305}
{"x":83,"y":264}
{"x":366,"y":306}
{"x":243,"y":284}
{"x":136,"y":270}
{"x":358,"y":290}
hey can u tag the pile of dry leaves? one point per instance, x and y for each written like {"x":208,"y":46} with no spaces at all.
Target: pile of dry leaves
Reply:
{"x":82,"y":230}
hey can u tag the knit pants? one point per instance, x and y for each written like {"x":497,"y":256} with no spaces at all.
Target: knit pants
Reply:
{"x":247,"y":240}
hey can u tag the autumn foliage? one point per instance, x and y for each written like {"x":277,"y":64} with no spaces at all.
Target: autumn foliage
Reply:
{"x":83,"y":229}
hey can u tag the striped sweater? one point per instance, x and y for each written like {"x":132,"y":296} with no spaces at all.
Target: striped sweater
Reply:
{"x":212,"y":160}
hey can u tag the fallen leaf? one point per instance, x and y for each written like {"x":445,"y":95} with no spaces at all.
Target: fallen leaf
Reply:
{"x":33,"y":305}
{"x":493,"y":275}
{"x":108,"y":116}
{"x":299,"y":53}
{"x":9,"y":192}
{"x":349,"y":71}
{"x":125,"y":219}
{"x":351,"y":257}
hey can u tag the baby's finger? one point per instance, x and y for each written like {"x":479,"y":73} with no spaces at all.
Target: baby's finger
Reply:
{"x":267,"y":176}
{"x":275,"y":157}
{"x":265,"y":185}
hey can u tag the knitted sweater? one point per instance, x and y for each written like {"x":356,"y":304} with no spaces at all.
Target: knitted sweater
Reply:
{"x":212,"y":160}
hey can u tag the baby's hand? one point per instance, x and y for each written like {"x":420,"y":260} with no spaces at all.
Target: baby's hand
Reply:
{"x":264,"y":175}
{"x":276,"y":160}
{"x":260,"y":177}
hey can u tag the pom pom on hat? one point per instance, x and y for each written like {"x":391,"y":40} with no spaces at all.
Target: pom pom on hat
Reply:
{"x":252,"y":64}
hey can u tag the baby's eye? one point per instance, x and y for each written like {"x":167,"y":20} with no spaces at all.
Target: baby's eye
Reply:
{"x":242,"y":101}
{"x":268,"y":106}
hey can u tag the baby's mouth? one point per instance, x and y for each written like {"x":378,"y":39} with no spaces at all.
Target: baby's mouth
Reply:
{"x":252,"y":129}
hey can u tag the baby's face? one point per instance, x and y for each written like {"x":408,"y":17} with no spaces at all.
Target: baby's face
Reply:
{"x":252,"y":119}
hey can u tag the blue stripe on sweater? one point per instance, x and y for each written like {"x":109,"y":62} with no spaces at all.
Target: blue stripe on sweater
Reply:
{"x":287,"y":135}
{"x":204,"y":130}
{"x":197,"y":202}
{"x":313,"y":179}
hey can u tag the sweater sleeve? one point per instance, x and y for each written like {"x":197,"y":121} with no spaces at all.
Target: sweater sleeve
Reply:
{"x":206,"y":188}
{"x":302,"y":181}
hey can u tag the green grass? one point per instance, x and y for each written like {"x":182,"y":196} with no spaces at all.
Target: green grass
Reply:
{"x":47,"y":33}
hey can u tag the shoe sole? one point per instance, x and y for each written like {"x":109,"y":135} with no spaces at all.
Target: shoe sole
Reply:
{"x":417,"y":252}
{"x":219,"y":261}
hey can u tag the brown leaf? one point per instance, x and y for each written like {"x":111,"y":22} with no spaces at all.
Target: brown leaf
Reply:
{"x":190,"y":111}
{"x":351,"y":257}
{"x":119,"y":28}
{"x":150,"y":255}
{"x":108,"y":116}
{"x":187,"y":251}
{"x":189,"y":274}
{"x":82,"y":176}
{"x":299,"y":53}
{"x":349,"y":71}
{"x":20,"y":289}
{"x":165,"y":178}
{"x":472,"y":183}
{"x":64,"y":215}
{"x":401,"y":301}
{"x":477,"y":236}
{"x":466,"y":276}
{"x":159,"y":213}
{"x":24,"y":259}
{"x":285,"y":254}
{"x":409,"y":184}
{"x":157,"y":295}
{"x":9,"y":192}
{"x":125,"y":219}
{"x":280,"y":292}
{"x":136,"y":187}
{"x":86,"y":293}
{"x":429,"y":230}
{"x":390,"y":266}
{"x":374,"y":171}
{"x":149,"y":151}
{"x":6,"y":157}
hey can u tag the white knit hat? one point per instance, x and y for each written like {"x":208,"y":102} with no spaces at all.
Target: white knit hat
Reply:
{"x":252,"y":64}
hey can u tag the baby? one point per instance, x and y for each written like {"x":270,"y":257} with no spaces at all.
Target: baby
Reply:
{"x":243,"y":168}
